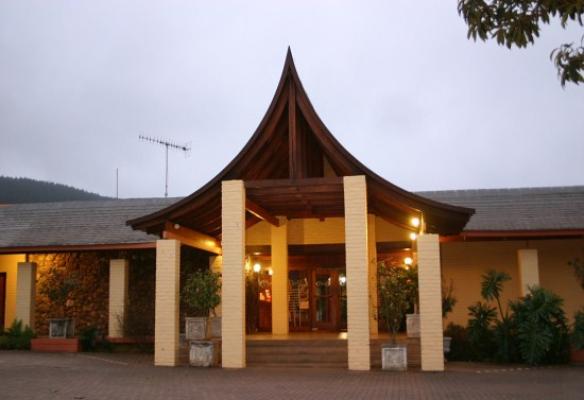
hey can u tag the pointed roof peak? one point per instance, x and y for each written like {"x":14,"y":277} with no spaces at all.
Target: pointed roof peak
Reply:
{"x":289,"y":59}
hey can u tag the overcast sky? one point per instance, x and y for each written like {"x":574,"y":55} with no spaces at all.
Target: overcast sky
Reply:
{"x":399,"y":85}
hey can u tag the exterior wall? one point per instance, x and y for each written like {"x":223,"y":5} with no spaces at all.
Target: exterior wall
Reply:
{"x":8,"y":265}
{"x":465,"y":262}
{"x":89,"y":299}
{"x":315,"y":231}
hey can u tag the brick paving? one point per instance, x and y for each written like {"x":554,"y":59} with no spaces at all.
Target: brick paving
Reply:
{"x":25,"y":375}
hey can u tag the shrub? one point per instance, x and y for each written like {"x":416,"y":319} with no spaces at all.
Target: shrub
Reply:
{"x":396,"y":287}
{"x":201,"y":292}
{"x":480,"y":334}
{"x":460,"y":349}
{"x":505,"y":337}
{"x":542,"y":330}
{"x":577,"y":337}
{"x":16,"y":337}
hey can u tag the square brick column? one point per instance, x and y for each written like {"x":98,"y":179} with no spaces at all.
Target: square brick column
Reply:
{"x":166,"y":321}
{"x":373,"y":300}
{"x":233,"y":288}
{"x":279,"y":244}
{"x":25,"y":293}
{"x":430,"y":294}
{"x":357,"y":265}
{"x":118,"y":297}
{"x":528,"y":263}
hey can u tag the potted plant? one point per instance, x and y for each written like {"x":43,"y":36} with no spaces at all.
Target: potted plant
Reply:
{"x":201,"y":295}
{"x":448,"y":303}
{"x":58,"y":287}
{"x":396,"y":295}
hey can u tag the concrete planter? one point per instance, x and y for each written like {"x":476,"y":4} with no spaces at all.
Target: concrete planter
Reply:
{"x":61,"y":328}
{"x":394,"y":358}
{"x":413,"y":325}
{"x":205,"y":353}
{"x":214,"y":328}
{"x":196,"y":328}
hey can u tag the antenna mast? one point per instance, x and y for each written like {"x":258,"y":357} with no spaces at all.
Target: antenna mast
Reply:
{"x":167,"y":144}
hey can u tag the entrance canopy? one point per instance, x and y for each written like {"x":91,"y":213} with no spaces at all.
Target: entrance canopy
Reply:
{"x":293,"y":166}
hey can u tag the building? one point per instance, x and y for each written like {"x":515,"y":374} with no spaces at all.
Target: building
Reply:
{"x":316,"y":222}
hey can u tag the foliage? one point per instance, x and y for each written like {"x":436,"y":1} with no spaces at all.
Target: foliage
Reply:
{"x":448,"y":299}
{"x":397,"y":293}
{"x":577,"y":337}
{"x":16,"y":337}
{"x":201,"y":292}
{"x":492,"y":287}
{"x":578,"y":266}
{"x":460,"y":349}
{"x":518,"y":22}
{"x":505,"y":337}
{"x":25,"y":190}
{"x":91,"y":339}
{"x":542,"y":330}
{"x":480,"y":335}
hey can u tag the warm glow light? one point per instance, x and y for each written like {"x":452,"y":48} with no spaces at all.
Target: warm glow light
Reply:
{"x":257,"y":267}
{"x":342,"y":279}
{"x":408,"y":261}
{"x":270,"y":272}
{"x":415,"y":222}
{"x":413,"y":236}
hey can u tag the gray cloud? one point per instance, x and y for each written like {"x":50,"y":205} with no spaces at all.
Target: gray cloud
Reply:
{"x":399,"y":85}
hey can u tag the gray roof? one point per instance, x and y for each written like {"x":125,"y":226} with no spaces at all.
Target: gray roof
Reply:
{"x":75,"y":222}
{"x":104,"y":221}
{"x":527,"y":209}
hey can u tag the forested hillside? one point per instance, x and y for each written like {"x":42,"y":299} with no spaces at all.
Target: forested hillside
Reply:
{"x":25,"y":190}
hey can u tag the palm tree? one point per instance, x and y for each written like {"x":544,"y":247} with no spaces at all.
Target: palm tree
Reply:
{"x":492,"y":286}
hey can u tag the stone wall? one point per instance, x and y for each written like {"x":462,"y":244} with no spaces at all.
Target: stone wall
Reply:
{"x":88,"y":303}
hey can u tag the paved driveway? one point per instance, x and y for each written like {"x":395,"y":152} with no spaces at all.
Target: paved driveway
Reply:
{"x":25,"y":375}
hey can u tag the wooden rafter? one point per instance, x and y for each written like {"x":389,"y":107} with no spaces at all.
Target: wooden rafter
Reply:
{"x":191,"y":238}
{"x":260,"y":212}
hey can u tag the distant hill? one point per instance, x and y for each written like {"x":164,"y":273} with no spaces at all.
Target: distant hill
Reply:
{"x":25,"y":190}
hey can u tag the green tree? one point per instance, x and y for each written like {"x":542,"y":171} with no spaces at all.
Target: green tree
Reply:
{"x":492,"y":286}
{"x":518,"y":22}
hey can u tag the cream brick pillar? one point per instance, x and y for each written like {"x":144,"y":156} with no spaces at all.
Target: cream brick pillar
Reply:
{"x":430,"y":294}
{"x":357,"y":265}
{"x":166,"y":328}
{"x":373,"y":300}
{"x":118,"y":296}
{"x":233,"y":288}
{"x":528,"y":263}
{"x":25,"y":293}
{"x":280,"y":277}
{"x":216,"y":265}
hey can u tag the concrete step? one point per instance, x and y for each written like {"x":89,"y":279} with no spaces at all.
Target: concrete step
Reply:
{"x":297,"y":353}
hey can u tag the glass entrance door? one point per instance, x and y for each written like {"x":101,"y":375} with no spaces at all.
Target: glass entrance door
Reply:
{"x":326,"y":299}
{"x":316,"y":299}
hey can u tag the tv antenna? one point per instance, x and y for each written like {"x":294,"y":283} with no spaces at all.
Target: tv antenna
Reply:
{"x":167,"y":144}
